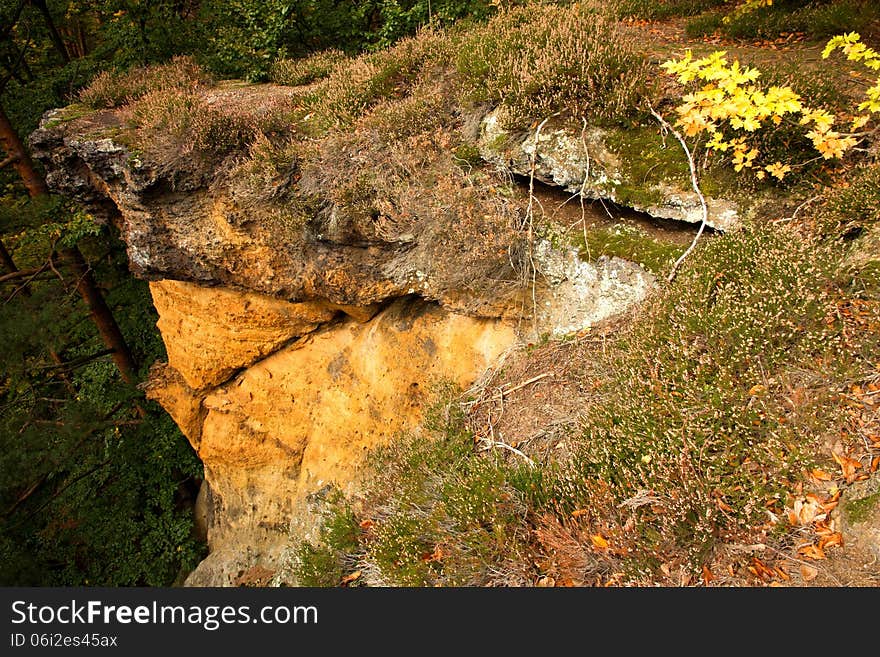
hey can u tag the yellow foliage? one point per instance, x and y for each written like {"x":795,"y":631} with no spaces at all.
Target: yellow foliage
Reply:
{"x":726,"y":99}
{"x":746,"y":7}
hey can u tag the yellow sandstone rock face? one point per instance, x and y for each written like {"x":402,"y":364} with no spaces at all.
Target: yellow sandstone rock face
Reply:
{"x":211,"y":332}
{"x":306,"y":414}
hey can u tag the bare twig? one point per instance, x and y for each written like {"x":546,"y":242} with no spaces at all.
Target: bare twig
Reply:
{"x":799,"y":208}
{"x":21,"y":273}
{"x":504,"y":445}
{"x":525,"y":383}
{"x":694,"y":183}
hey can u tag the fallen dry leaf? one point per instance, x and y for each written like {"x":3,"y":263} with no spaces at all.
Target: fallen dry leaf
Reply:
{"x":724,"y":506}
{"x":808,"y":572}
{"x":757,"y":567}
{"x":805,"y":511}
{"x":546,"y":582}
{"x":831,"y":540}
{"x":820,"y":475}
{"x":848,"y":466}
{"x":436,"y":555}
{"x":599,"y":541}
{"x":348,"y":579}
{"x":811,"y":552}
{"x":707,"y":575}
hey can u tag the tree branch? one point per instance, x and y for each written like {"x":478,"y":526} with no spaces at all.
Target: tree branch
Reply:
{"x":22,"y":273}
{"x":694,"y":183}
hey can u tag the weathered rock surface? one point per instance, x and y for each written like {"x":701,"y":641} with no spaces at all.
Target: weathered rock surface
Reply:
{"x":306,"y":415}
{"x":233,"y":328}
{"x":581,"y":162}
{"x":182,"y":219}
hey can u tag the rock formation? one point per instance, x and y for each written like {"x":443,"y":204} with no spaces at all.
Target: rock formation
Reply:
{"x":296,"y":345}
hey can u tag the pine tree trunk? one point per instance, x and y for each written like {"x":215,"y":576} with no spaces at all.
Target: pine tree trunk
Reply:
{"x":85,"y":282}
{"x":6,"y":259}
{"x":34,"y":182}
{"x":101,"y":313}
{"x":53,"y":31}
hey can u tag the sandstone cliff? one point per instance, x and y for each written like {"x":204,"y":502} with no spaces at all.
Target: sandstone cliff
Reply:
{"x":302,"y":328}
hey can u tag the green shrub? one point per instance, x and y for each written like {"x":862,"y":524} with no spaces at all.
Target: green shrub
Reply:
{"x":326,"y":561}
{"x":817,"y":19}
{"x":853,"y":207}
{"x":659,"y":9}
{"x":691,"y":410}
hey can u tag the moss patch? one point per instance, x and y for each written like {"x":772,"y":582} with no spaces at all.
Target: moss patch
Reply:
{"x":860,"y":510}
{"x":630,"y":243}
{"x":69,"y":113}
{"x":651,"y":162}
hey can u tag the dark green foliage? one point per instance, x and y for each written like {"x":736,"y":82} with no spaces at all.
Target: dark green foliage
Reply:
{"x":245,"y":38}
{"x":817,"y":19}
{"x":659,"y":9}
{"x":90,"y":493}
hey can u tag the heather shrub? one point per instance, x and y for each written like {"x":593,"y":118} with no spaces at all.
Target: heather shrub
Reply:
{"x":539,"y":60}
{"x":305,"y":70}
{"x":191,"y":120}
{"x":350,"y":90}
{"x":115,"y":88}
{"x":425,"y":109}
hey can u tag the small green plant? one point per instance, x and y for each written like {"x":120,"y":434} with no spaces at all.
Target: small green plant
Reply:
{"x":326,"y":561}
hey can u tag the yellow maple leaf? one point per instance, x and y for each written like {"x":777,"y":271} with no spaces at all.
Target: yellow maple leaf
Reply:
{"x":599,"y":541}
{"x":859,"y":122}
{"x":778,"y":170}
